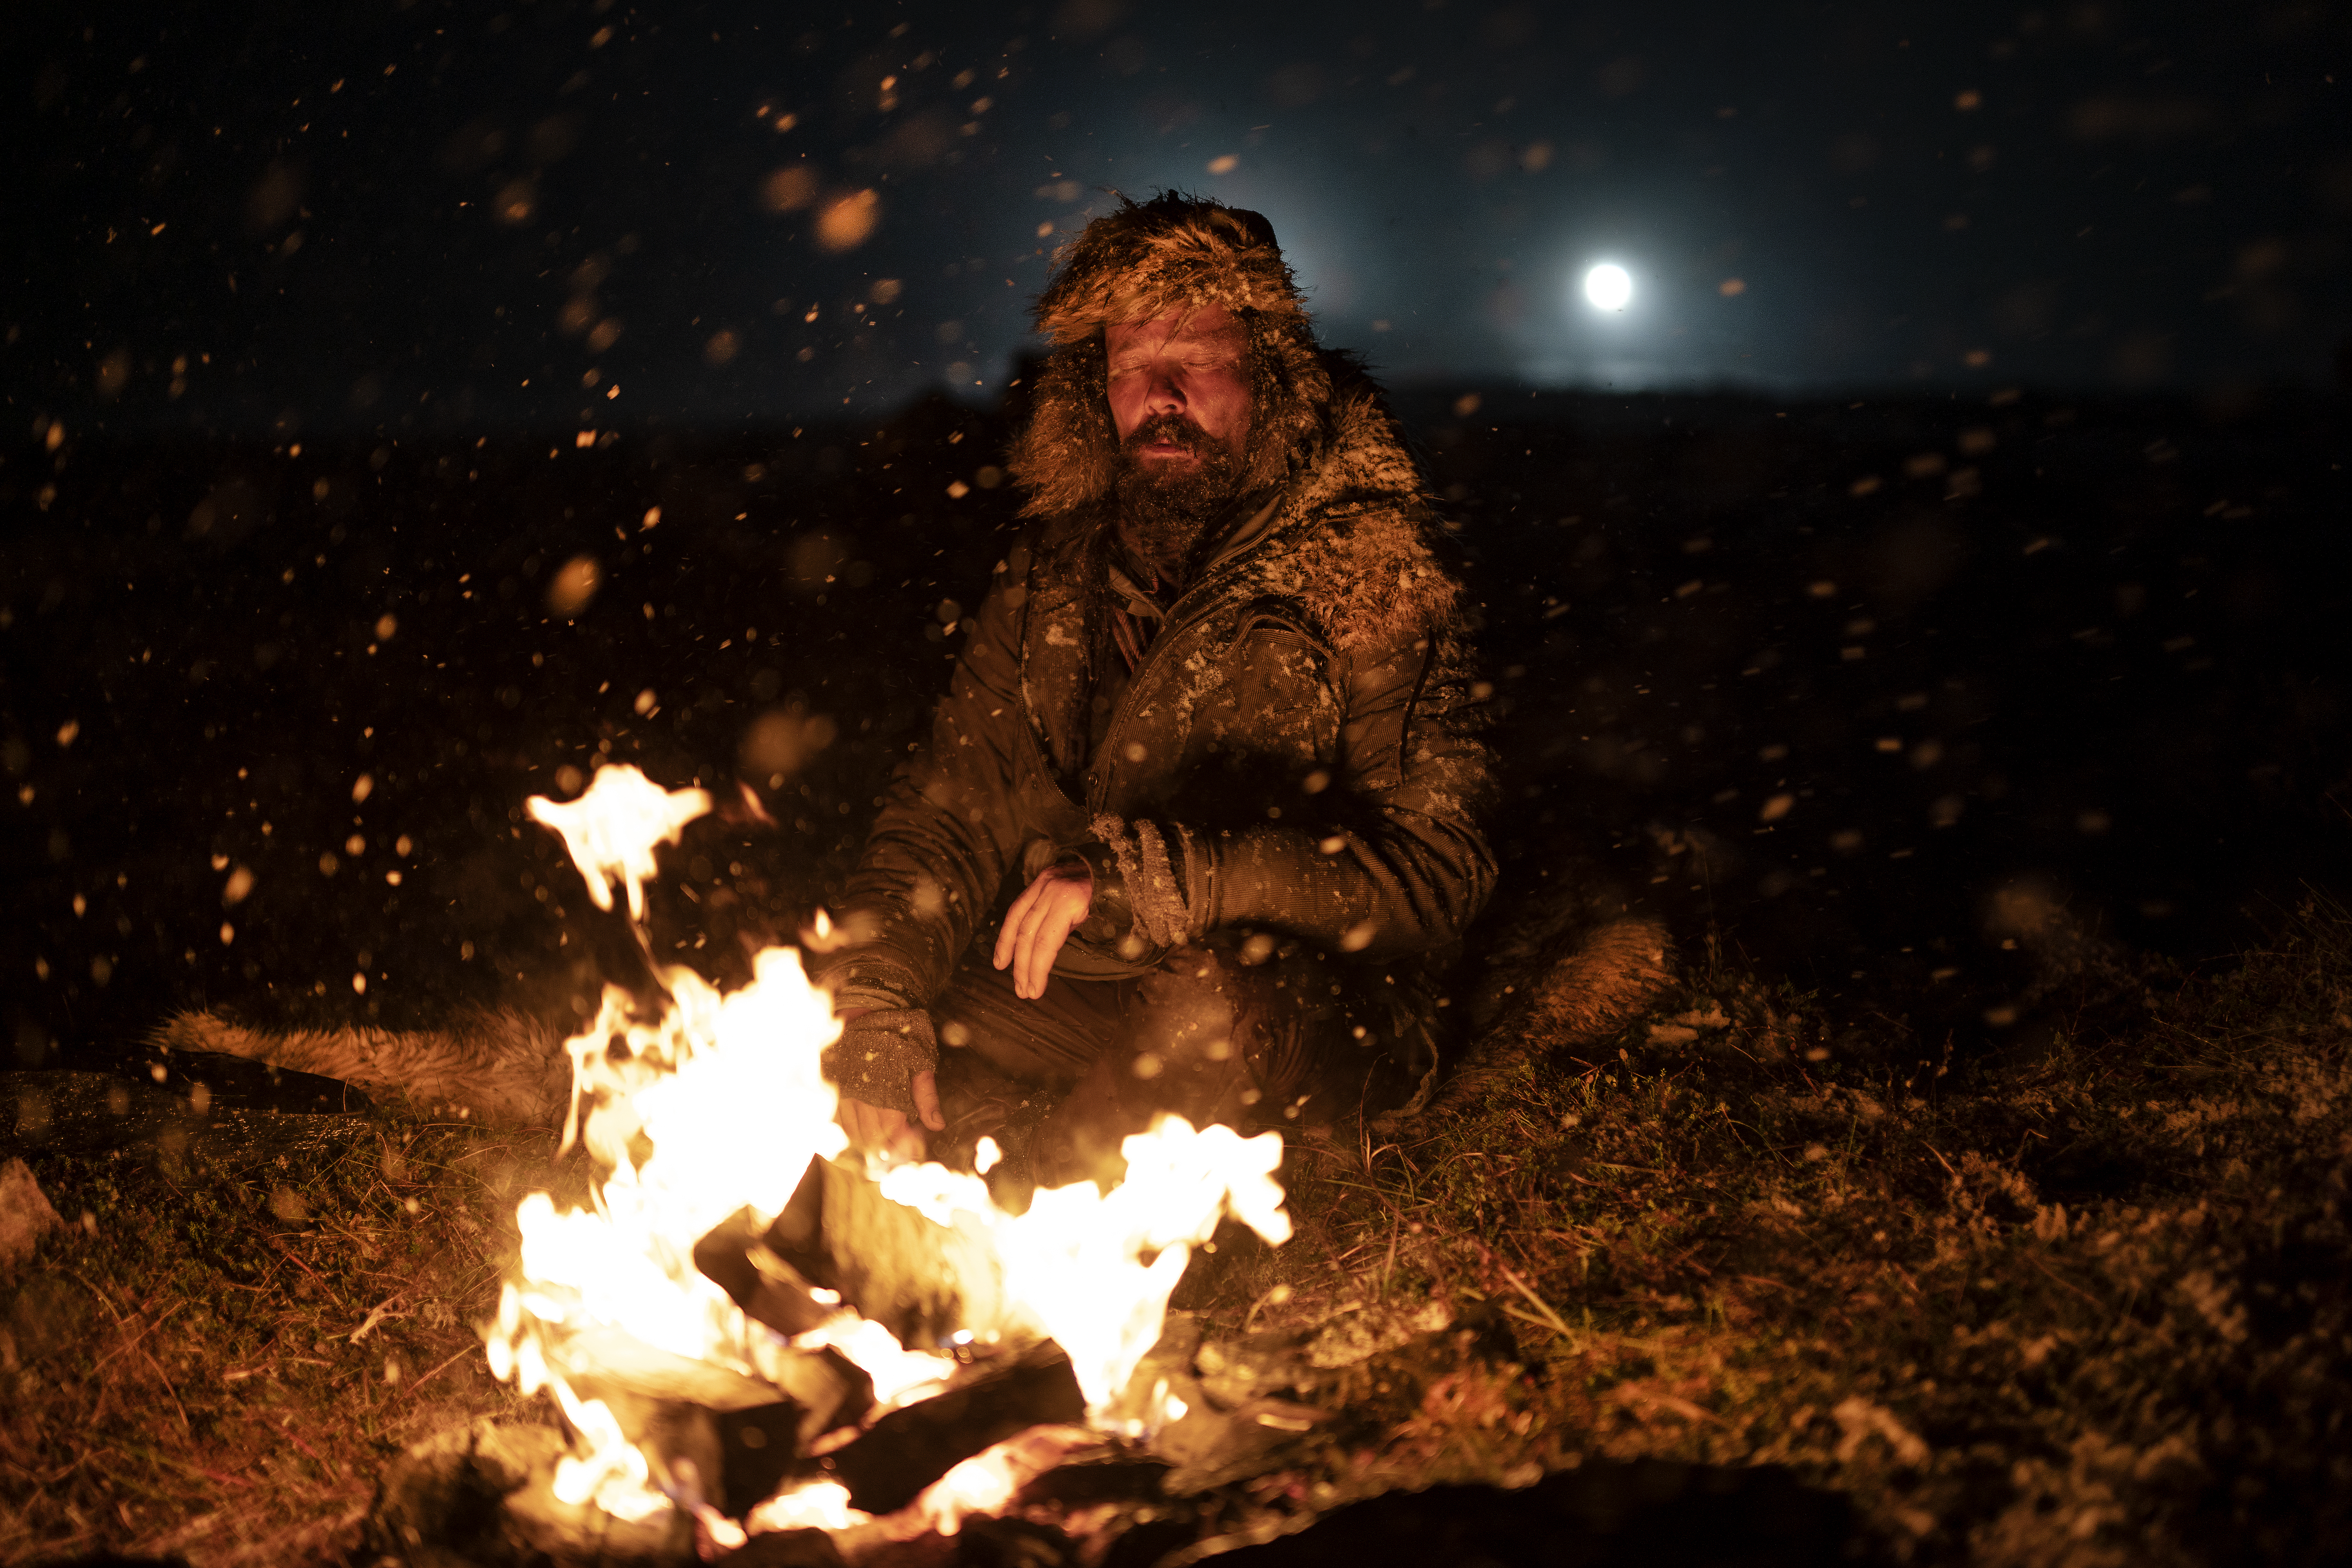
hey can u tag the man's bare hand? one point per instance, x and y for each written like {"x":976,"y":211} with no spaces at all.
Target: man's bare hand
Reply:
{"x":1039,"y":922}
{"x":879,"y":1127}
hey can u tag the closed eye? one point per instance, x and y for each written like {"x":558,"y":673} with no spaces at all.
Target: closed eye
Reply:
{"x":1190,"y":363}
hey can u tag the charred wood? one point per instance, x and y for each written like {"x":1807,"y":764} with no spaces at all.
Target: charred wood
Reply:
{"x":911,"y":1447}
{"x":734,"y":1431}
{"x":482,"y":1495}
{"x":921,"y":1281}
{"x":769,"y":1288}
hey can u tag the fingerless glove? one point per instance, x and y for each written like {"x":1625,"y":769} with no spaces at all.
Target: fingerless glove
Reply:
{"x":879,"y":1054}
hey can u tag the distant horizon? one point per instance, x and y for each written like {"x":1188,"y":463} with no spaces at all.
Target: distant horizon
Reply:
{"x":1497,"y":396}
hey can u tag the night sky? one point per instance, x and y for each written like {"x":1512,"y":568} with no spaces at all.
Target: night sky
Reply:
{"x":441,"y":217}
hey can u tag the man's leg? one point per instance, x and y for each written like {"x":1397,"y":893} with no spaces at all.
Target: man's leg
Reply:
{"x":1186,"y":1053}
{"x":1007,"y":1061}
{"x":1204,"y":1037}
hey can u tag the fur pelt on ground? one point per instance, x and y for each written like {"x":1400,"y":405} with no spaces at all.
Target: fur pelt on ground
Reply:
{"x":497,"y":1066}
{"x":1568,"y":970}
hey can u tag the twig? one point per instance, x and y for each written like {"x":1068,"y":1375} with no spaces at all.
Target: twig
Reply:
{"x":173,"y":1393}
{"x":40,"y":1479}
{"x":1550,"y":1318}
{"x":286,"y":1251}
{"x":445,"y":1366}
{"x":377,"y":1314}
{"x":136,"y":1338}
{"x":2066,"y":1284}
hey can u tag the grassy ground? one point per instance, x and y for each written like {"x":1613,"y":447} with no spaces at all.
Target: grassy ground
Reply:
{"x":2084,"y":1305}
{"x":2090,"y":1305}
{"x":217,"y":1362}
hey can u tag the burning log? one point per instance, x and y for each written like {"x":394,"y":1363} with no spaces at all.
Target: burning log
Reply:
{"x":929,"y":1284}
{"x":484,"y":1495}
{"x":908,"y":1449}
{"x":759,"y":1279}
{"x":739,"y":1437}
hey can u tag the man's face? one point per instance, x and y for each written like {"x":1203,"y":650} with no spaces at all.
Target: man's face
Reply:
{"x":1177,"y":380}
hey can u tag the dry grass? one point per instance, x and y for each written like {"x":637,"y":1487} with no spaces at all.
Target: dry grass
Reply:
{"x":215,"y":1363}
{"x":2089,"y":1308}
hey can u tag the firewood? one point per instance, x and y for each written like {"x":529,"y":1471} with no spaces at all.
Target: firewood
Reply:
{"x":911,"y":1447}
{"x":759,"y":1279}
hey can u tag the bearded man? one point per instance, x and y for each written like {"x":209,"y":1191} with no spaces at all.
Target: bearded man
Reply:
{"x":1197,"y":823}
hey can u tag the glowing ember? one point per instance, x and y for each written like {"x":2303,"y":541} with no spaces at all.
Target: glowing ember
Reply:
{"x":822,"y":1506}
{"x":988,"y":1480}
{"x":715,"y":1104}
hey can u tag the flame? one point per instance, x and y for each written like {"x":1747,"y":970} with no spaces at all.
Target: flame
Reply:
{"x":612,"y":829}
{"x":712,"y":1104}
{"x":821,"y":1505}
{"x":1075,"y":1260}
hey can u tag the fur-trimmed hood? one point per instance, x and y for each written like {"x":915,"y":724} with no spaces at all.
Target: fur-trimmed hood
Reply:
{"x":1351,"y":539}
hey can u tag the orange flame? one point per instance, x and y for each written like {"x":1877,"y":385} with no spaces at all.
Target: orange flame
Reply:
{"x":612,"y":829}
{"x":718,"y":1104}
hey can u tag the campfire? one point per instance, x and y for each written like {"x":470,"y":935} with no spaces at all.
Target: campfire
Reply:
{"x":751,"y":1328}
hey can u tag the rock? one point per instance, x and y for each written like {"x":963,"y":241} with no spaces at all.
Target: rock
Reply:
{"x":24,"y":1213}
{"x":1360,"y":1335}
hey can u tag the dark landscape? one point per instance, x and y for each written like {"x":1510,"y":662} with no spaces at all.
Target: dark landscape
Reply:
{"x":1897,"y":1100}
{"x":2087,"y":653}
{"x":1979,"y":1187}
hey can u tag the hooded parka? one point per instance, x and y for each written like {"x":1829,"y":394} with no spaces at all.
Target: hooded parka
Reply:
{"x":1290,"y":775}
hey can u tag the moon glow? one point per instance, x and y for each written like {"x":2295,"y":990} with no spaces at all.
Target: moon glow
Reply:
{"x":1608,"y":287}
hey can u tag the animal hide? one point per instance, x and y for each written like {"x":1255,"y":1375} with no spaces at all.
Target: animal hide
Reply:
{"x":496,"y":1065}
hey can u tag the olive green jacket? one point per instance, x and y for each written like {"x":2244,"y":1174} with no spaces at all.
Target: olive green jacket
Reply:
{"x":1297,"y":754}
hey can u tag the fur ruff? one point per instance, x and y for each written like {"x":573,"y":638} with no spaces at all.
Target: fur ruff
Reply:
{"x":1172,"y":252}
{"x":498,"y":1065}
{"x":1353,"y":542}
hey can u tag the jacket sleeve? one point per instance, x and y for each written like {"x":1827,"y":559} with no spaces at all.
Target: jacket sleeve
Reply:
{"x":1397,"y":865}
{"x":948,"y":830}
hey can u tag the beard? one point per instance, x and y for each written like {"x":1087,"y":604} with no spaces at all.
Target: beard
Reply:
{"x":1164,"y":508}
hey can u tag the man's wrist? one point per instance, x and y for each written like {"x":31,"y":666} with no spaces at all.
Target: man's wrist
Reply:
{"x":1108,"y":916}
{"x":879,"y":1054}
{"x":1163,"y":878}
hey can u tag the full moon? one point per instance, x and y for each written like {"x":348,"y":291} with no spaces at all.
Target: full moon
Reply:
{"x":1608,"y":287}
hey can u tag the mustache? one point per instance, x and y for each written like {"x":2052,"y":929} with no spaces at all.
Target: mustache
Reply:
{"x":1173,"y":428}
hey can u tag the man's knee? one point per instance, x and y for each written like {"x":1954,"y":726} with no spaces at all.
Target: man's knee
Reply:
{"x":1048,"y":1042}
